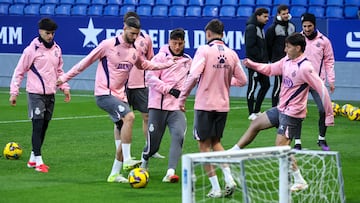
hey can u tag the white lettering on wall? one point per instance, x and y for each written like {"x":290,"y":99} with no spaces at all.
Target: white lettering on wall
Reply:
{"x":11,"y":35}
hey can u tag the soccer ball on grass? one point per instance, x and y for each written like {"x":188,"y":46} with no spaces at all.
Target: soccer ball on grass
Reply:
{"x":138,"y":178}
{"x":12,"y":151}
{"x":354,"y":114}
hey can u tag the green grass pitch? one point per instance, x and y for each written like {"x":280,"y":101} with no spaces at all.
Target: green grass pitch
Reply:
{"x":79,"y":148}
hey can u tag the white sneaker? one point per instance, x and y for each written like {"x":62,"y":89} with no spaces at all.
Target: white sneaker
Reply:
{"x":131,"y":164}
{"x":170,"y":179}
{"x":252,"y":116}
{"x":158,"y":156}
{"x":117,"y":178}
{"x":229,"y":189}
{"x":299,"y":187}
{"x":215,"y":194}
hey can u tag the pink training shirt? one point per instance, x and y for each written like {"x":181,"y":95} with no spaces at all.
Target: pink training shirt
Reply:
{"x":295,"y":73}
{"x":161,"y":81}
{"x":137,"y":76}
{"x":116,"y":58}
{"x":42,"y":65}
{"x":215,"y":67}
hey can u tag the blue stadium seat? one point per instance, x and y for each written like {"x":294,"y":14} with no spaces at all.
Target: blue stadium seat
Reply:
{"x":213,"y":2}
{"x":335,"y":3}
{"x":177,"y":11}
{"x":334,"y":12}
{"x":278,"y":2}
{"x":297,"y":11}
{"x":299,"y":3}
{"x":227,"y":11}
{"x":36,"y":1}
{"x":4,"y":9}
{"x":6,"y":1}
{"x":32,"y":9}
{"x":143,"y":10}
{"x":16,"y":9}
{"x":71,"y":2}
{"x":147,"y":2}
{"x":95,"y":10}
{"x":63,"y":9}
{"x":160,"y":10}
{"x":263,"y":3}
{"x":244,"y":11}
{"x":351,"y":12}
{"x":114,"y":2}
{"x":247,"y":3}
{"x":98,"y":2}
{"x":262,"y":6}
{"x":47,"y":9}
{"x":317,"y":3}
{"x":318,"y":11}
{"x":79,"y":10}
{"x":195,"y":3}
{"x":274,"y":11}
{"x":210,"y":11}
{"x":20,"y":1}
{"x":82,"y":2}
{"x":179,"y":2}
{"x":352,"y":3}
{"x":163,"y":2}
{"x":130,"y":2}
{"x":111,"y":10}
{"x":126,"y":8}
{"x":193,"y":11}
{"x":229,"y":2}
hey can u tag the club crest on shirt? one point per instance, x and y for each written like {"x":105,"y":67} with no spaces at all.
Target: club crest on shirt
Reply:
{"x":221,"y":63}
{"x":287,"y":82}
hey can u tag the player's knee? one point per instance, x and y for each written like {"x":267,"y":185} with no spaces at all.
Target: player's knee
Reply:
{"x":129,"y":118}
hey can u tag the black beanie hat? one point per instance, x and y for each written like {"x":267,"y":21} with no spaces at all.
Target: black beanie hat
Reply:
{"x":308,"y":17}
{"x":47,"y":24}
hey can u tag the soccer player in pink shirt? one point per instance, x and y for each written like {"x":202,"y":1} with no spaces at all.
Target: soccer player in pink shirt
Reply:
{"x":117,"y":56}
{"x":320,"y":53}
{"x":42,"y":62}
{"x":298,"y":76}
{"x":164,"y":89}
{"x":215,"y":68}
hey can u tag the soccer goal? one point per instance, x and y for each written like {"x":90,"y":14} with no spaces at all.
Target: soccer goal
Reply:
{"x":264,"y":175}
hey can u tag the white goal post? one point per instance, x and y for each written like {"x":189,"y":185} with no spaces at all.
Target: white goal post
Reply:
{"x":264,"y":175}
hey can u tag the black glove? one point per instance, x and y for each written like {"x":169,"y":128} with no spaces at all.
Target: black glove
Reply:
{"x":174,"y":92}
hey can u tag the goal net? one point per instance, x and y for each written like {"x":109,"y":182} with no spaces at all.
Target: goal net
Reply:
{"x":264,"y":175}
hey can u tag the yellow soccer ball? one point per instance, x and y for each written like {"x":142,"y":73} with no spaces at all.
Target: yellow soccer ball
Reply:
{"x":138,"y":178}
{"x":354,"y":114}
{"x":12,"y":150}
{"x":345,"y":109}
{"x":336,"y":108}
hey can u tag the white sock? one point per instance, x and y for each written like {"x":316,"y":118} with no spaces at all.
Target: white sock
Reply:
{"x":126,"y":151}
{"x":297,"y":141}
{"x":234,"y":148}
{"x":170,"y":172}
{"x":321,"y":137}
{"x":38,"y":160}
{"x":117,"y":143}
{"x":32,"y":157}
{"x":298,"y":177}
{"x":227,"y":174}
{"x":117,"y":165}
{"x":215,"y":183}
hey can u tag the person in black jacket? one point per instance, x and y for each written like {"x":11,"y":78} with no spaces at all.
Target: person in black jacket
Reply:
{"x":275,"y":41}
{"x":256,"y":50}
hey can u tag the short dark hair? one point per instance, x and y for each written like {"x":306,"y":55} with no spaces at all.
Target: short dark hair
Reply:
{"x":260,"y":11}
{"x":47,"y":24}
{"x":132,"y":22}
{"x":177,"y":33}
{"x":215,"y":26}
{"x":131,"y":14}
{"x":282,"y":7}
{"x":296,"y":39}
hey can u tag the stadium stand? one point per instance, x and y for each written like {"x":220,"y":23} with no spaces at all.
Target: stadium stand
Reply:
{"x":79,"y":10}
{"x":297,"y":11}
{"x":177,"y":11}
{"x":82,"y":2}
{"x":352,"y":3}
{"x":20,"y":1}
{"x":317,"y":3}
{"x":6,"y":1}
{"x":126,"y":8}
{"x":163,"y":2}
{"x":247,"y":3}
{"x":160,"y":11}
{"x":130,"y":2}
{"x":213,"y":2}
{"x":143,"y":10}
{"x":4,"y":9}
{"x":98,"y":2}
{"x":334,"y":12}
{"x":264,"y":3}
{"x":244,"y":11}
{"x":146,"y":2}
{"x":95,"y":10}
{"x":32,"y":9}
{"x":229,"y":3}
{"x":195,"y":3}
{"x":278,"y":2}
{"x":111,"y":10}
{"x":70,"y":2}
{"x":299,"y":3}
{"x":63,"y":9}
{"x":339,"y":3}
{"x":47,"y":9}
{"x":318,"y":11}
{"x":227,"y":11}
{"x":193,"y":11}
{"x":179,"y":3}
{"x":210,"y":11}
{"x":114,"y":2}
{"x":16,"y":9}
{"x":351,"y":12}
{"x":36,"y":1}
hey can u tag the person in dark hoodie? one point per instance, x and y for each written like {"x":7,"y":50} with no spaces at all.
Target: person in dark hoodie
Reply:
{"x":275,"y":41}
{"x":256,"y":50}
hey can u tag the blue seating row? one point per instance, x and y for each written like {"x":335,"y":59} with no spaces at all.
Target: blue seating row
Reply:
{"x":163,"y":10}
